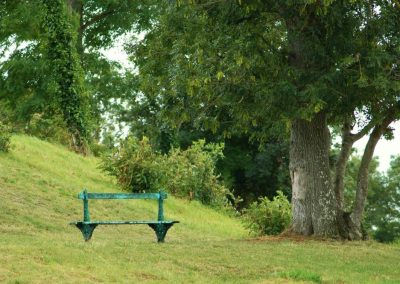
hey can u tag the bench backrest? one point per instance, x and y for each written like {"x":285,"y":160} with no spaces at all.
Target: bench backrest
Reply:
{"x":85,"y":196}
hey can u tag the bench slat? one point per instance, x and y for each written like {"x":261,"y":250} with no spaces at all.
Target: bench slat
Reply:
{"x":122,"y":195}
{"x":123,"y":222}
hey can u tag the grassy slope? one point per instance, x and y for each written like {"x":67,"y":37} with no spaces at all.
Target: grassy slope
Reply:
{"x":38,"y":185}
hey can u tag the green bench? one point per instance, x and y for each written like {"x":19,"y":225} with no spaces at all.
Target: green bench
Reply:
{"x":160,"y":226}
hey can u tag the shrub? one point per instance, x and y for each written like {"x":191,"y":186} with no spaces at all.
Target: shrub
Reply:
{"x":5,"y":137}
{"x":49,"y":128}
{"x":104,"y":146}
{"x":188,"y":174}
{"x":191,"y":173}
{"x":267,"y":217}
{"x":134,"y":164}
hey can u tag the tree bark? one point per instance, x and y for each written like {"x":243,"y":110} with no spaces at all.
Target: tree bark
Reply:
{"x":340,"y":167}
{"x":314,"y":204}
{"x":347,"y":228}
{"x":362,"y":178}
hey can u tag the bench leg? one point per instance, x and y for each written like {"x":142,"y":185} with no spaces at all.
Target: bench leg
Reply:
{"x":161,"y":230}
{"x":86,"y":229}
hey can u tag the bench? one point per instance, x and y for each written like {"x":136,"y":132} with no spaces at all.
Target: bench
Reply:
{"x":160,"y":226}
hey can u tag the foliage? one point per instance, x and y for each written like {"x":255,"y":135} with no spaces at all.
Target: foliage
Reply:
{"x":267,"y":217}
{"x":135,"y":165}
{"x":383,"y":208}
{"x":249,"y":168}
{"x":67,"y":74}
{"x":236,"y":64}
{"x":48,"y":128}
{"x":105,"y":146}
{"x":28,"y":75}
{"x":5,"y":137}
{"x":253,"y":170}
{"x":191,"y":173}
{"x":188,"y":174}
{"x":382,"y":215}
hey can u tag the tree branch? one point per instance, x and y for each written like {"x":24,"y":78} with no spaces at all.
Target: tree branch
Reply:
{"x":364,"y":131}
{"x":97,"y":18}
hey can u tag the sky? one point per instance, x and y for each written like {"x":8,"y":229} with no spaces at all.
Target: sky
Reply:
{"x":384,"y":149}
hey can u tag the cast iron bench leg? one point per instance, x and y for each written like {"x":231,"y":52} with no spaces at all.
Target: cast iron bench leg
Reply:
{"x":161,"y":230}
{"x":86,"y":229}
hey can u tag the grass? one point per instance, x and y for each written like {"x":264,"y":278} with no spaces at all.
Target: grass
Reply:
{"x":38,"y":186}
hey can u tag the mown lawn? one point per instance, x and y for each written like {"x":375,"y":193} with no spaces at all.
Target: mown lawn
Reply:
{"x":38,"y":186}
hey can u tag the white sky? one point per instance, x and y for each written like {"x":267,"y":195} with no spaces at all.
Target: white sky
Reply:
{"x":384,"y":149}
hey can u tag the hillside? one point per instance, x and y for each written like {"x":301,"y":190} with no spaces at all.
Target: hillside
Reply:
{"x":39,"y":182}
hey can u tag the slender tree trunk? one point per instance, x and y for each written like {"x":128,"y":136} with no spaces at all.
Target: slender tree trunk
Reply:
{"x":313,"y":199}
{"x":343,"y":217}
{"x":340,"y":167}
{"x":362,"y":179}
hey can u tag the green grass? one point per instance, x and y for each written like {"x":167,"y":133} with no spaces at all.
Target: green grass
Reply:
{"x":38,"y":186}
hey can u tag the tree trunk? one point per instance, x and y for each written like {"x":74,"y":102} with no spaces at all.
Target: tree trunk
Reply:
{"x":67,"y":73}
{"x":362,"y":179}
{"x":77,"y":7}
{"x":340,"y":167}
{"x":314,"y":204}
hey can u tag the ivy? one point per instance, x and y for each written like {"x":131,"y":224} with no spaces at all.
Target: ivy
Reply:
{"x":67,"y":75}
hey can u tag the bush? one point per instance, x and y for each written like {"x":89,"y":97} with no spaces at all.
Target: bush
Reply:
{"x":267,"y":217}
{"x":188,"y":174}
{"x":52,"y":129}
{"x":5,"y":137}
{"x":134,"y":164}
{"x":191,"y":173}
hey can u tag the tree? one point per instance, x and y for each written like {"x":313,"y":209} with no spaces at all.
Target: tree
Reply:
{"x":250,"y":169}
{"x":258,"y":66}
{"x":26,"y":74}
{"x":67,"y":73}
{"x":382,"y":215}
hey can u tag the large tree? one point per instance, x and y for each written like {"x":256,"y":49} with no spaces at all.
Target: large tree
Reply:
{"x":253,"y":66}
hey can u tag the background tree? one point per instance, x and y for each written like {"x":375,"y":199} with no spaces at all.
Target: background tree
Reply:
{"x":25,"y":72}
{"x":67,"y":74}
{"x":251,"y":169}
{"x":382,"y":213}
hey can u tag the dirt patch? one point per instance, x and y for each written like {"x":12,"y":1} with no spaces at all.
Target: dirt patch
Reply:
{"x":289,"y":236}
{"x":146,"y":276}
